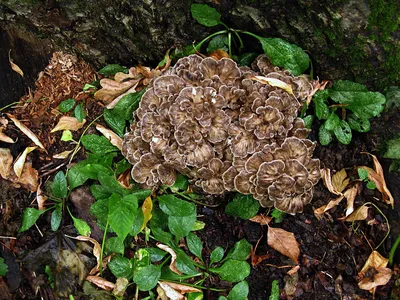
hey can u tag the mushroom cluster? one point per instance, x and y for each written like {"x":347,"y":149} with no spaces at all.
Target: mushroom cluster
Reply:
{"x":227,"y":128}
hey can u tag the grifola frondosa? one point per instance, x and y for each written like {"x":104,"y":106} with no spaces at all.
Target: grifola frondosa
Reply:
{"x":228,"y":130}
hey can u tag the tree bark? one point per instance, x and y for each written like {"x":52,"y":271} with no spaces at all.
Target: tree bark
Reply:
{"x":346,"y":39}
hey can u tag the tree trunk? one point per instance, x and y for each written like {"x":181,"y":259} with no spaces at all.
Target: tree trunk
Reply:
{"x":346,"y":39}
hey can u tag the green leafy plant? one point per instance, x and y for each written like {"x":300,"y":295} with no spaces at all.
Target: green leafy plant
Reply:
{"x":356,"y":104}
{"x":243,"y":206}
{"x":393,"y":152}
{"x":3,"y":267}
{"x":363,"y":174}
{"x":274,"y":290}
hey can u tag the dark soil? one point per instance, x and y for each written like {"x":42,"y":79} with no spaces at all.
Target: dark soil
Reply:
{"x":332,"y":251}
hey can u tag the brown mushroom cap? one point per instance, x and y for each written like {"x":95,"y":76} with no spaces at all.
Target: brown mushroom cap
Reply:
{"x":209,"y":120}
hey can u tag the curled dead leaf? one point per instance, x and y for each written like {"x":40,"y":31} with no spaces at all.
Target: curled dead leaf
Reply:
{"x":26,"y":131}
{"x":359,"y":214}
{"x":327,"y":180}
{"x":20,"y":161}
{"x":261,"y":219}
{"x":284,"y":242}
{"x":172,"y":265}
{"x":380,"y":275}
{"x":111,"y":89}
{"x":319,"y":86}
{"x":379,"y":179}
{"x":63,"y":155}
{"x":101,"y":283}
{"x":340,"y":181}
{"x":40,"y":198}
{"x":5,"y":138}
{"x":6,"y":161}
{"x":68,"y":123}
{"x":350,"y":194}
{"x":29,"y":177}
{"x":219,"y":54}
{"x":96,"y":246}
{"x":274,"y":82}
{"x":176,"y":290}
{"x":112,"y":104}
{"x":14,"y":66}
{"x":111,"y":136}
{"x":124,"y":179}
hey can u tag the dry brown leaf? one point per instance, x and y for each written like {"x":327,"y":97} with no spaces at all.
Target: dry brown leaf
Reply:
{"x":5,"y":138}
{"x":14,"y":66}
{"x":3,"y":122}
{"x":350,"y":194}
{"x":96,"y":246}
{"x":219,"y":54}
{"x":120,"y":287}
{"x":101,"y":283}
{"x":20,"y":161}
{"x":380,"y":275}
{"x":327,"y":180}
{"x":261,"y":219}
{"x":284,"y":242}
{"x":40,"y":198}
{"x":274,"y":82}
{"x":124,"y":179}
{"x":181,"y":287}
{"x":63,"y":155}
{"x":112,"y":104}
{"x":335,"y":202}
{"x":111,"y":89}
{"x":172,"y":265}
{"x":29,"y":177}
{"x":379,"y":178}
{"x":317,"y":87}
{"x":68,"y":123}
{"x":340,"y":181}
{"x":111,"y":136}
{"x":26,"y":131}
{"x":170,"y":292}
{"x":359,"y":214}
{"x":319,"y":211}
{"x":6,"y":161}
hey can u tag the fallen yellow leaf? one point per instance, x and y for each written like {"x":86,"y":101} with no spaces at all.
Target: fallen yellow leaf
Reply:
{"x":147,"y":208}
{"x":274,"y":82}
{"x":68,"y":123}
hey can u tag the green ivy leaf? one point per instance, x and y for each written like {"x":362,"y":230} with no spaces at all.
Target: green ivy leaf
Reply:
{"x":218,"y":42}
{"x":392,"y":149}
{"x":321,"y":108}
{"x":121,"y":213}
{"x":184,"y":263}
{"x":362,"y":173}
{"x":181,"y":183}
{"x":66,"y":105}
{"x":343,"y":132}
{"x":174,"y":206}
{"x":116,"y":122}
{"x":29,"y":218}
{"x":97,"y":144}
{"x":246,"y":59}
{"x":81,"y":226}
{"x":243,"y":206}
{"x":59,"y":187}
{"x":274,"y":290}
{"x":216,"y":255}
{"x":114,"y":245}
{"x":56,"y":217}
{"x":332,"y":122}
{"x":371,"y":185}
{"x":121,"y":267}
{"x":284,"y":54}
{"x":128,"y":104}
{"x":240,"y":251}
{"x":324,"y":135}
{"x":194,"y":244}
{"x":3,"y":267}
{"x":112,"y":69}
{"x":357,"y":98}
{"x":278,"y":215}
{"x":360,"y":125}
{"x":156,"y":254}
{"x":205,"y":15}
{"x":308,"y":121}
{"x":137,"y":223}
{"x":181,"y":226}
{"x":147,"y":277}
{"x":233,"y":270}
{"x":79,"y":113}
{"x":239,"y":292}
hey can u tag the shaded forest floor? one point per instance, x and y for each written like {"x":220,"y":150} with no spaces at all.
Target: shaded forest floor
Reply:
{"x":332,"y":251}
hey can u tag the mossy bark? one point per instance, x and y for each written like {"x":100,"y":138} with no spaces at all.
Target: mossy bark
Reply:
{"x":347,"y":39}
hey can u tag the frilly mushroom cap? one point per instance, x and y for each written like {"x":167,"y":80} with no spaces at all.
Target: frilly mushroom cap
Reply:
{"x":211,"y":121}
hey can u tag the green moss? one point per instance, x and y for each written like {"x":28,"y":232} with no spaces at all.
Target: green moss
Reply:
{"x":383,"y":20}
